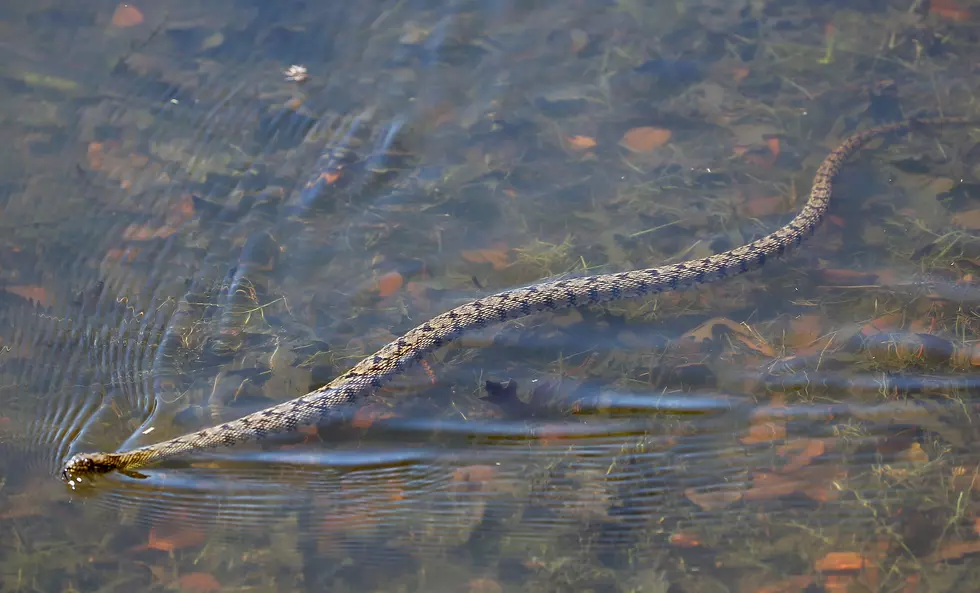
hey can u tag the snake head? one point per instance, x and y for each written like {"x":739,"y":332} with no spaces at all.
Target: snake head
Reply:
{"x":86,"y":465}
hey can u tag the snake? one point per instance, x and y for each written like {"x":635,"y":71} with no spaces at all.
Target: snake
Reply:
{"x":399,"y":355}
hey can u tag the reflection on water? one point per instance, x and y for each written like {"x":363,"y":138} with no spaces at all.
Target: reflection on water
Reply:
{"x":193,"y":232}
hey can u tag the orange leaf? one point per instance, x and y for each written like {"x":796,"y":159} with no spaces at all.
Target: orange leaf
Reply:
{"x":805,"y":329}
{"x":331,"y":177}
{"x":645,"y":138}
{"x":171,"y":539}
{"x":885,"y":323}
{"x":126,"y":15}
{"x":954,"y":550}
{"x":685,"y":539}
{"x":761,"y":206}
{"x":757,"y":345}
{"x":710,"y":501}
{"x":580,"y":142}
{"x":808,"y":449}
{"x":969,"y":219}
{"x":773,"y":144}
{"x":767,"y":486}
{"x":768,"y":422}
{"x":765,"y":432}
{"x":821,"y":493}
{"x":740,"y":73}
{"x":183,"y":211}
{"x":95,"y":156}
{"x":838,"y":583}
{"x":841,"y":561}
{"x":914,"y":454}
{"x":911,"y":583}
{"x":496,"y":257}
{"x":949,"y":9}
{"x":200,"y":582}
{"x":388,"y":284}
{"x":145,"y":232}
{"x":369,"y":414}
{"x":36,"y":294}
{"x":121,"y":255}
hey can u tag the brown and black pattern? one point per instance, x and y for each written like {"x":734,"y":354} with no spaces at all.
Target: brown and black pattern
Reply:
{"x":394,"y":358}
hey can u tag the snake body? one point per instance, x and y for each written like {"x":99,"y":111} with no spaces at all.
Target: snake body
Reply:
{"x":397,"y":356}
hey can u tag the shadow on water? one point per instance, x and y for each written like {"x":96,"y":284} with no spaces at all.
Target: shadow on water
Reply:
{"x":211,"y":209}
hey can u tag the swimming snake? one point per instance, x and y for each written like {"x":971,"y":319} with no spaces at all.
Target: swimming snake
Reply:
{"x":397,"y":356}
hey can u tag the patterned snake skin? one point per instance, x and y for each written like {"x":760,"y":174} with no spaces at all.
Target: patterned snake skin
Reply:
{"x":399,"y":355}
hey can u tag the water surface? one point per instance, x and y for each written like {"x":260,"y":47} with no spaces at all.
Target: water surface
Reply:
{"x":193,"y":231}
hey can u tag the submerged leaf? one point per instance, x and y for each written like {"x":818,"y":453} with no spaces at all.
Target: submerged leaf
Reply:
{"x":841,"y":561}
{"x":497,"y":258}
{"x":388,"y":284}
{"x":126,"y":15}
{"x":645,"y":138}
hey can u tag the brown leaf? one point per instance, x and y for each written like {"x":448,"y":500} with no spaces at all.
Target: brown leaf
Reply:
{"x":885,"y":323}
{"x":365,"y":417}
{"x":773,"y":143}
{"x":818,"y":345}
{"x":645,"y":138}
{"x":685,"y":539}
{"x":968,"y":219}
{"x":121,"y":255}
{"x":498,"y":258}
{"x":948,"y":9}
{"x":706,"y":331}
{"x":200,"y":582}
{"x":390,"y":283}
{"x":95,"y":156}
{"x":765,"y":432}
{"x":759,"y":206}
{"x":766,"y":486}
{"x":126,"y":15}
{"x":169,"y":539}
{"x":801,"y":453}
{"x":841,"y":562}
{"x":914,"y":454}
{"x":716,"y":499}
{"x":145,"y":232}
{"x":838,"y":583}
{"x":33,"y":293}
{"x":804,"y":330}
{"x":580,"y":142}
{"x":954,"y":550}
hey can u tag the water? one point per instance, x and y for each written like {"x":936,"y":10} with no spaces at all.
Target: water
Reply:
{"x":190,"y":236}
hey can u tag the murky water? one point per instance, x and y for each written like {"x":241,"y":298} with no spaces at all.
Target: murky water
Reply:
{"x":195,"y":229}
